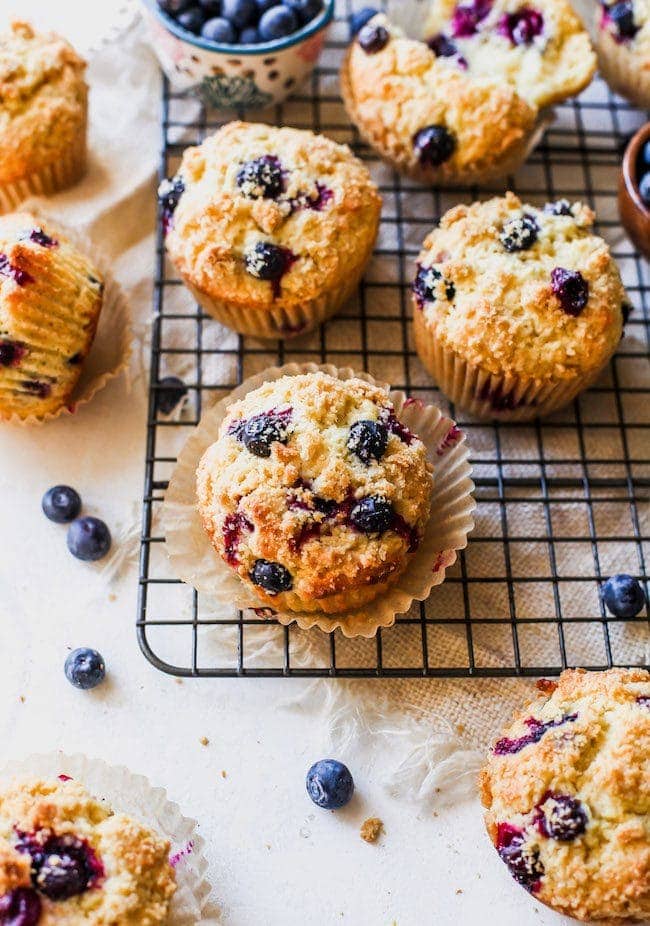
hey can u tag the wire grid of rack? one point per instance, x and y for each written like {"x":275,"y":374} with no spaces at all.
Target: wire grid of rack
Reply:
{"x":562,"y":504}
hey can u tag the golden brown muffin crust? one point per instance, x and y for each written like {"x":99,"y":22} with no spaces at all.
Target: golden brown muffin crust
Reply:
{"x":293,"y":507}
{"x":43,"y":100}
{"x":594,"y":750}
{"x":138,"y":881}
{"x":504,"y":315}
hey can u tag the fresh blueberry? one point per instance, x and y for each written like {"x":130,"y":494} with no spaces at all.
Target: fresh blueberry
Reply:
{"x":264,"y":5}
{"x":425,"y":285}
{"x":644,"y":156}
{"x":191,"y":19}
{"x":11,"y":353}
{"x":359,"y":19}
{"x":519,"y":233}
{"x":435,"y":144}
{"x":20,"y":907}
{"x":249,"y":36}
{"x":467,"y":16}
{"x":219,"y":30}
{"x":520,"y":856}
{"x":373,"y":38}
{"x":241,"y":13}
{"x":562,"y":817}
{"x":623,"y":595}
{"x":559,"y":207}
{"x":644,"y":188}
{"x":89,"y":539}
{"x":261,"y":178}
{"x":305,"y":10}
{"x":173,"y":7}
{"x":522,"y":27}
{"x":63,"y":871}
{"x":171,"y":390}
{"x":85,"y":668}
{"x":441,"y":46}
{"x":372,"y":515}
{"x":268,"y":261}
{"x":622,"y":15}
{"x":61,"y":504}
{"x":571,"y":289}
{"x":259,"y":433}
{"x":368,"y":440}
{"x":272,"y":577}
{"x":330,"y":784}
{"x":277,"y":23}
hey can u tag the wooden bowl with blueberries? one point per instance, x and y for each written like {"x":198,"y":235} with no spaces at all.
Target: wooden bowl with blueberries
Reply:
{"x":236,"y":53}
{"x":634,"y":190}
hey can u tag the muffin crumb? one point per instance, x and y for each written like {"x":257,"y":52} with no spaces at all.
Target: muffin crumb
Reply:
{"x":371,"y":829}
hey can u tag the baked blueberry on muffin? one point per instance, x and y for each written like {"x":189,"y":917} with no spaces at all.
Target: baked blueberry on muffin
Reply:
{"x":463,"y":104}
{"x":516,"y":308}
{"x":315,"y":493}
{"x":567,"y":795}
{"x":50,"y":301}
{"x":66,"y":858}
{"x":623,"y":47}
{"x":270,"y":228}
{"x":43,"y":114}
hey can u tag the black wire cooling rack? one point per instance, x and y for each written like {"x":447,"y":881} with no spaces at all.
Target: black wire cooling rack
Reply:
{"x":562,"y":504}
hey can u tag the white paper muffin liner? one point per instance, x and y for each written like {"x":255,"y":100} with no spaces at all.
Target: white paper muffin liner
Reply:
{"x":134,"y":795}
{"x":194,"y":560}
{"x":282,"y":320}
{"x":443,"y":178}
{"x":507,"y":397}
{"x":111,"y":348}
{"x":69,"y":167}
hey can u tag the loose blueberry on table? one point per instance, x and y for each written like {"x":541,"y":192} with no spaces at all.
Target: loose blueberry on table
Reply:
{"x":242,"y":22}
{"x":85,"y":668}
{"x":623,"y":596}
{"x":89,"y":539}
{"x":171,"y":390}
{"x":330,"y":784}
{"x":61,"y":504}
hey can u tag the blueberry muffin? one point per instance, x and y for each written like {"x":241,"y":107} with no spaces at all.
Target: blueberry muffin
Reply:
{"x":623,"y":48}
{"x":567,"y":795}
{"x":43,"y":114}
{"x":315,"y":493}
{"x":516,"y":308}
{"x":270,"y":228}
{"x":50,"y":301}
{"x":67,"y":859}
{"x":463,"y":105}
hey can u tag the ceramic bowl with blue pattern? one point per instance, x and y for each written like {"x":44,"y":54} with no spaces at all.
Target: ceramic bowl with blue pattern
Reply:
{"x":235,"y":76}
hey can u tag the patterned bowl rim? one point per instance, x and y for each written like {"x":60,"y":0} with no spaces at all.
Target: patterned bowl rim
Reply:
{"x":264,"y":48}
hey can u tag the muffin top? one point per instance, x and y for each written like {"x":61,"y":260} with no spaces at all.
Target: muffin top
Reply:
{"x":518,"y":289}
{"x":314,"y":488}
{"x":567,"y":792}
{"x":627,"y":23}
{"x":257,"y":213}
{"x":66,"y":858}
{"x":468,"y":98}
{"x":42,"y":98}
{"x":50,"y":300}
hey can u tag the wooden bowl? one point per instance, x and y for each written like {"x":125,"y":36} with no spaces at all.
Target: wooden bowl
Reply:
{"x":635,"y":215}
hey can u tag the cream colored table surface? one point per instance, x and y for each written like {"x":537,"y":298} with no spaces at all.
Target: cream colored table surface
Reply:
{"x":276,"y":859}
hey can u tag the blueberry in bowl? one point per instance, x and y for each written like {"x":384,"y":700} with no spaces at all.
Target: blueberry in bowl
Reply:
{"x":237,"y":53}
